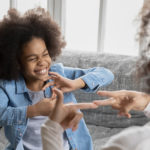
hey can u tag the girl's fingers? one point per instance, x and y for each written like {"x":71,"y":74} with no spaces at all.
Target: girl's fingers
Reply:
{"x":52,"y":83}
{"x":54,"y":74}
{"x":48,"y":78}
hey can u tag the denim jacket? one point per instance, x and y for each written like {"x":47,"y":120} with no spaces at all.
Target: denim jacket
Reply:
{"x":14,"y":100}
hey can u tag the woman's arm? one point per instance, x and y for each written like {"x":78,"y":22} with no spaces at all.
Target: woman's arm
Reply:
{"x":52,"y":136}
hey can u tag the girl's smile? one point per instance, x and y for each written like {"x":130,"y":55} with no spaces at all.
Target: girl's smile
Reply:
{"x":41,"y":71}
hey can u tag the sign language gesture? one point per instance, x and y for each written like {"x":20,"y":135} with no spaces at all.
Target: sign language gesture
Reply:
{"x":124,"y":101}
{"x":67,"y":115}
{"x":64,"y":84}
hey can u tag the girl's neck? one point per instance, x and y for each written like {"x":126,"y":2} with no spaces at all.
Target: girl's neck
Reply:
{"x":35,"y":86}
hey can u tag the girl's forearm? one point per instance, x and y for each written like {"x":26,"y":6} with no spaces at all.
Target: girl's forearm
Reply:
{"x":31,"y":111}
{"x":79,"y":83}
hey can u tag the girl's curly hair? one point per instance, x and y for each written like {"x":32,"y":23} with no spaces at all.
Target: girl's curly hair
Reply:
{"x":16,"y":30}
{"x":143,"y":64}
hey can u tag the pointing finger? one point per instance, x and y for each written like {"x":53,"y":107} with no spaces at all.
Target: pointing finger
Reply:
{"x":106,"y":102}
{"x":83,"y":106}
{"x":107,"y":93}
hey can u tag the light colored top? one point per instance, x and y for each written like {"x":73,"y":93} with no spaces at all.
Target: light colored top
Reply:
{"x":52,"y":136}
{"x":132,"y":138}
{"x":32,"y":136}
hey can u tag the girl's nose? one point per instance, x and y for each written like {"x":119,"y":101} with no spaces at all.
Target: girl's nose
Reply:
{"x":40,"y":62}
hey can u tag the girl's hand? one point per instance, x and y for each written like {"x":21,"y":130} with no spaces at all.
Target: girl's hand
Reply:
{"x":43,"y":108}
{"x":124,"y":101}
{"x":64,"y":84}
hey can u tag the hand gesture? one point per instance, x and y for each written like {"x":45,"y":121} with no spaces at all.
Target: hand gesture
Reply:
{"x":124,"y":101}
{"x":62,"y":83}
{"x":42,"y":108}
{"x":67,"y":114}
{"x":45,"y":106}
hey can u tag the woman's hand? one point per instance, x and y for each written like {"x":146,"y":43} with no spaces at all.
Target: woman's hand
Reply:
{"x":124,"y":101}
{"x":62,"y":83}
{"x":67,"y":115}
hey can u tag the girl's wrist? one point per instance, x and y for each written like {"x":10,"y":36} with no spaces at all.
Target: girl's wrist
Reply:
{"x":79,"y":83}
{"x":32,"y":111}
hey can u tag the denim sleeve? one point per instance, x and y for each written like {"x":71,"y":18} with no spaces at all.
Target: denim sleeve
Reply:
{"x":94,"y":77}
{"x":11,"y":115}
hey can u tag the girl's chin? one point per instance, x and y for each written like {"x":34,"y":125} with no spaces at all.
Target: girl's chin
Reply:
{"x":43,"y":78}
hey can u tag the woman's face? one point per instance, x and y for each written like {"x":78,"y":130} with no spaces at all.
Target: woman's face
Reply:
{"x":35,"y":60}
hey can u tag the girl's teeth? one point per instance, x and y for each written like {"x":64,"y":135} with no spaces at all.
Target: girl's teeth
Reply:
{"x":42,"y":71}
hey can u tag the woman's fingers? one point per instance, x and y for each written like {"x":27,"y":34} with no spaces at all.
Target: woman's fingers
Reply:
{"x":107,"y":93}
{"x":106,"y":102}
{"x":75,"y":121}
{"x":124,"y":110}
{"x":82,"y":106}
{"x":74,"y":128}
{"x":126,"y":114}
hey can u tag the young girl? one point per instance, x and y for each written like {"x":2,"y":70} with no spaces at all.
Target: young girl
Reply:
{"x":28,"y":45}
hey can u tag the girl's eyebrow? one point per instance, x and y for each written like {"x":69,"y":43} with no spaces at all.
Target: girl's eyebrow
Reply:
{"x":45,"y":50}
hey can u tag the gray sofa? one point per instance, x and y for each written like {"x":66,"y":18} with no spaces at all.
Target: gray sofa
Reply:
{"x":103,"y":122}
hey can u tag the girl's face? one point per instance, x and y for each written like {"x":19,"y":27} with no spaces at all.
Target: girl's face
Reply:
{"x":35,"y":60}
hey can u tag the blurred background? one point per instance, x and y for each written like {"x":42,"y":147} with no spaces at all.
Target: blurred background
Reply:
{"x":96,"y":26}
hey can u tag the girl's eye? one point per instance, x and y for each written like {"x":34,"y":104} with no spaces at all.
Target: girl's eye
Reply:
{"x":32,"y":59}
{"x":46,"y":54}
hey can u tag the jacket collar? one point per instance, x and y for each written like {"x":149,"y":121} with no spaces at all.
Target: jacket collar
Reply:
{"x":20,"y":85}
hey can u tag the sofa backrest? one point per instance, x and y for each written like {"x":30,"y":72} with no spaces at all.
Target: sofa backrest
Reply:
{"x":124,"y":68}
